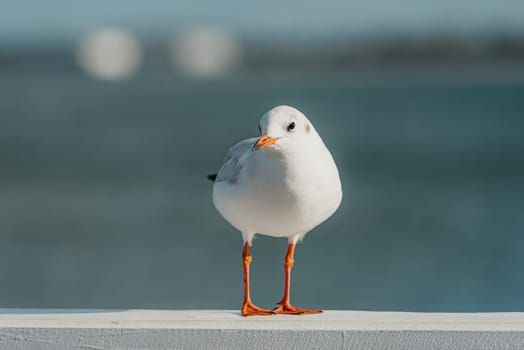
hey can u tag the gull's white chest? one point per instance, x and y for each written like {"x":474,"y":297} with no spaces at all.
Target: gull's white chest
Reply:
{"x":281,"y":194}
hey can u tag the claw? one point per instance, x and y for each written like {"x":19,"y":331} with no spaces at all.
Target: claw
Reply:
{"x":250,"y":309}
{"x":288,"y":309}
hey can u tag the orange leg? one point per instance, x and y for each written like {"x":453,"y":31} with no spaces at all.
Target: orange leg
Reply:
{"x":284,"y":306}
{"x":248,"y":308}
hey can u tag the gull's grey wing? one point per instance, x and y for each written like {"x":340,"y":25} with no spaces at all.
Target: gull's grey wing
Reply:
{"x":234,"y":161}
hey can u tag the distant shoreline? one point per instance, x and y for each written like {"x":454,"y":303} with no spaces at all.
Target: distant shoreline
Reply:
{"x":342,"y":54}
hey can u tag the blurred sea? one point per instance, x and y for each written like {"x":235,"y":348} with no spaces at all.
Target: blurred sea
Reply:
{"x":104,"y":201}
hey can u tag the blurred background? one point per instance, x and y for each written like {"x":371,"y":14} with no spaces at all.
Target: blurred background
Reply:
{"x":113,"y":113}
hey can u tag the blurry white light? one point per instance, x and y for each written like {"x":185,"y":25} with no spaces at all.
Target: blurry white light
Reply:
{"x":205,"y":52}
{"x":109,"y":54}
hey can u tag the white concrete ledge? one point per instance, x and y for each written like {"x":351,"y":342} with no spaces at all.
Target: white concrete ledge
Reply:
{"x":203,"y":329}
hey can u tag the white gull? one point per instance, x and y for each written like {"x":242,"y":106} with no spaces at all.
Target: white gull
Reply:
{"x":282,"y":184}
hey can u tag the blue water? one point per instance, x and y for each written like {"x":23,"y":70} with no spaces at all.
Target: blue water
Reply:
{"x":104,"y":200}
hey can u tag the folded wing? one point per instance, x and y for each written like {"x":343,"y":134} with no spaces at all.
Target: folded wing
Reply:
{"x":234,"y":161}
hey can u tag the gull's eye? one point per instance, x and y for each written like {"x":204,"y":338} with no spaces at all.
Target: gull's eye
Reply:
{"x":291,"y":126}
{"x":259,"y":129}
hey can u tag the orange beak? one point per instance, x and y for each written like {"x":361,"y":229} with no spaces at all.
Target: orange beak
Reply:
{"x":264,"y":141}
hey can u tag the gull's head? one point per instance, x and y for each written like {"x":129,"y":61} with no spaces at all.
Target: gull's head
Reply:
{"x":283,"y":124}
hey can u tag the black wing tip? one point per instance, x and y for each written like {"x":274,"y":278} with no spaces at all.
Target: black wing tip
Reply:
{"x":212,"y":177}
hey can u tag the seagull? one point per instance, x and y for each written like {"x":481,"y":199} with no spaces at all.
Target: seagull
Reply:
{"x":281,"y":184}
